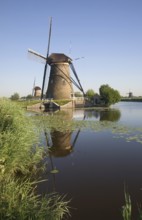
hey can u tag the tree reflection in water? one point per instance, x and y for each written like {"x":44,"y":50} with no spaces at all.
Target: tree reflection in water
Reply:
{"x":103,"y":114}
{"x":111,"y":115}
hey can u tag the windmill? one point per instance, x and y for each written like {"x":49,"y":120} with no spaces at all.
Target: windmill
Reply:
{"x":60,"y":84}
{"x":130,"y":94}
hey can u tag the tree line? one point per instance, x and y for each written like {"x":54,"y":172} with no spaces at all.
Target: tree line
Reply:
{"x":107,"y":94}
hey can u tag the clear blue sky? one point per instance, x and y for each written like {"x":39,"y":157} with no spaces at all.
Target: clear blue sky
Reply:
{"x":108,"y":33}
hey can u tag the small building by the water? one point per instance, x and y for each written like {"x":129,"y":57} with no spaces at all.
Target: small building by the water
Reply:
{"x":97,"y":99}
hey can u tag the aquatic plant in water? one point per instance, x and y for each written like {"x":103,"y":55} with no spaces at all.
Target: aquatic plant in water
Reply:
{"x":60,"y":121}
{"x":127,"y":208}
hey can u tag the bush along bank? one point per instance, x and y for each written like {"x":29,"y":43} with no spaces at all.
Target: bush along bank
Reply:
{"x":18,"y":168}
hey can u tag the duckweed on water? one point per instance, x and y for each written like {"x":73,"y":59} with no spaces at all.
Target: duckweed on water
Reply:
{"x":61,"y":122}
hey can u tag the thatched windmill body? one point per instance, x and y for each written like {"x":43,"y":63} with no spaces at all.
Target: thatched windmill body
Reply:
{"x":60,"y":84}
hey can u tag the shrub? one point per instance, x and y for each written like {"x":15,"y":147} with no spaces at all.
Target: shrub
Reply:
{"x":109,"y":95}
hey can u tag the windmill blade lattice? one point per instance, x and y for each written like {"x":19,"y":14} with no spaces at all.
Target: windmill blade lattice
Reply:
{"x":45,"y":68}
{"x":74,"y":71}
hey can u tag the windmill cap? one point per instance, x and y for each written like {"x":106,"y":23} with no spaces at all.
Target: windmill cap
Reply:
{"x":37,"y":88}
{"x":58,"y":58}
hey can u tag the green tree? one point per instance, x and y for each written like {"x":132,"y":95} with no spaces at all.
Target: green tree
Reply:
{"x":109,"y":95}
{"x":29,"y":97}
{"x":15,"y":96}
{"x":90,"y":94}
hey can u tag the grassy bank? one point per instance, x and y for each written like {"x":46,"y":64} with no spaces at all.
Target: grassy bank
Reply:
{"x":131,"y":99}
{"x":20,"y":156}
{"x":25,"y":103}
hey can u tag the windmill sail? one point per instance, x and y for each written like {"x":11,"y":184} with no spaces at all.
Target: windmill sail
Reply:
{"x":74,"y":71}
{"x":35,"y":54}
{"x":45,"y":68}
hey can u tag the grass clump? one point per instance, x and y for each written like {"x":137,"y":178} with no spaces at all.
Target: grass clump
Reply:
{"x":19,"y":201}
{"x":20,"y":156}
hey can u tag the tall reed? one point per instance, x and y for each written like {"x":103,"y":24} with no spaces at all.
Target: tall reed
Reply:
{"x":19,"y":159}
{"x":127,"y":208}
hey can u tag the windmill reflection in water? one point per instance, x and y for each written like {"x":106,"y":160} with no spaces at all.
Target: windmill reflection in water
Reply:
{"x":60,"y":144}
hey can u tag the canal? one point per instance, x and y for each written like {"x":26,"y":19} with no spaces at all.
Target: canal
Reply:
{"x":97,"y":160}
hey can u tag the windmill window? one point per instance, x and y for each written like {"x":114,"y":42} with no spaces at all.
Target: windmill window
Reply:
{"x":51,"y":81}
{"x":64,"y":82}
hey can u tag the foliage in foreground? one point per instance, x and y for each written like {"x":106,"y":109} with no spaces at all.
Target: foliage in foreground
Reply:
{"x":19,"y":201}
{"x":17,"y":137}
{"x":18,"y":165}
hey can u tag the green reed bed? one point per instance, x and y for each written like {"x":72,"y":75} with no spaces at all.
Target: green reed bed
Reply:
{"x":17,"y":137}
{"x":20,"y":156}
{"x":19,"y":201}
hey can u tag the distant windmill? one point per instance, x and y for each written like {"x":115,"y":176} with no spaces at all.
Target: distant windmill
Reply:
{"x":60,"y":81}
{"x":130,"y":94}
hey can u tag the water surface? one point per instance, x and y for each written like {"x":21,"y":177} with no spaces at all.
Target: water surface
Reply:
{"x":95,"y":166}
